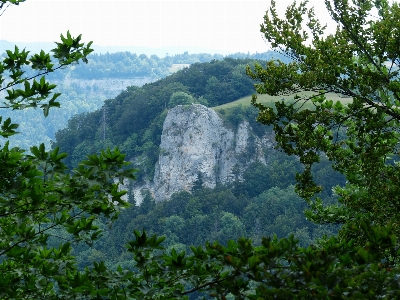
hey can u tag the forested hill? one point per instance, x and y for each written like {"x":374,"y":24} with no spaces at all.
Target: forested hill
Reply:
{"x":260,"y":203}
{"x":85,"y":87}
{"x":130,"y":65}
{"x":133,"y":120}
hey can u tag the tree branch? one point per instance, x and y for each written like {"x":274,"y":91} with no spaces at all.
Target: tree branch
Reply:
{"x":202,"y":286}
{"x":1,"y":6}
{"x":29,"y":78}
{"x":21,"y":211}
{"x":37,"y":233}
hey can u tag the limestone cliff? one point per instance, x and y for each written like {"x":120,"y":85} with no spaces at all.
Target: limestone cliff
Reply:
{"x":196,"y":143}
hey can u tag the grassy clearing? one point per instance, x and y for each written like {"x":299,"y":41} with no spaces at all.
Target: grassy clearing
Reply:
{"x":270,"y":100}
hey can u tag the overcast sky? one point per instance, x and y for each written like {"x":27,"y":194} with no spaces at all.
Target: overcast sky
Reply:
{"x":226,"y":26}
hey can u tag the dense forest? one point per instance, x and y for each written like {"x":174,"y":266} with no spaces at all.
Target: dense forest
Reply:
{"x":133,"y":120}
{"x":262,"y":202}
{"x":318,"y":220}
{"x":131,"y":65}
{"x":84,"y":88}
{"x":128,"y":65}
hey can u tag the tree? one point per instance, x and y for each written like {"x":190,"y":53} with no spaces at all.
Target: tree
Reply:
{"x":359,"y":60}
{"x":198,"y":183}
{"x":37,"y":192}
{"x":180,"y":98}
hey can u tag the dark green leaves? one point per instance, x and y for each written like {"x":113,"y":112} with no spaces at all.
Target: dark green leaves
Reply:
{"x":32,"y":93}
{"x":16,"y":2}
{"x":7,"y":128}
{"x":38,"y":195}
{"x":359,"y":135}
{"x":71,"y":50}
{"x":16,"y":59}
{"x":41,"y":61}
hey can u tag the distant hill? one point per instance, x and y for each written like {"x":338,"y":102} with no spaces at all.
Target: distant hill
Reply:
{"x":134,"y":118}
{"x":85,"y":87}
{"x":161,"y":52}
{"x":217,"y":167}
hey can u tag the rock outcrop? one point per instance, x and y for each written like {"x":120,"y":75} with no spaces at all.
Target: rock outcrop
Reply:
{"x":196,"y":147}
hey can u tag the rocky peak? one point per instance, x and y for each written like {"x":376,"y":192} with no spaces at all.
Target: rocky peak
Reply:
{"x":196,"y":143}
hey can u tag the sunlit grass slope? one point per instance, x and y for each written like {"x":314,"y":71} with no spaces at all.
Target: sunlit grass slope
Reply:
{"x":270,"y":100}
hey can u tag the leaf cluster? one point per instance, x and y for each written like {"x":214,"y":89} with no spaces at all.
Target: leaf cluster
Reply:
{"x":277,"y":268}
{"x":360,"y":60}
{"x":34,"y":94}
{"x":38,"y":194}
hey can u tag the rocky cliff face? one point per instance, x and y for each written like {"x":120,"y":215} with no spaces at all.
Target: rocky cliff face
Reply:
{"x":197,"y":147}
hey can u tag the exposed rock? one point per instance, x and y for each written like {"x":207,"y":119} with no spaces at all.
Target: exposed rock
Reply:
{"x":196,"y":142}
{"x":138,"y":191}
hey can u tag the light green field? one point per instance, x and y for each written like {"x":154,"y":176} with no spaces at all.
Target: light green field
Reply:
{"x":270,"y":100}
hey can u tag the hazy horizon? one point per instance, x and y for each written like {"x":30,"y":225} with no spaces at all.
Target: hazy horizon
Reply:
{"x":35,"y":47}
{"x":222,"y":27}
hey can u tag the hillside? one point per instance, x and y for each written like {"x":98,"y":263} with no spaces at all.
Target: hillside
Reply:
{"x":85,"y":87}
{"x":216,"y":165}
{"x":133,"y":120}
{"x":270,"y":100}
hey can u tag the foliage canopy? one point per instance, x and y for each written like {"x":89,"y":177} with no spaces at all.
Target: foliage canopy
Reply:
{"x":360,"y":60}
{"x":38,"y":194}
